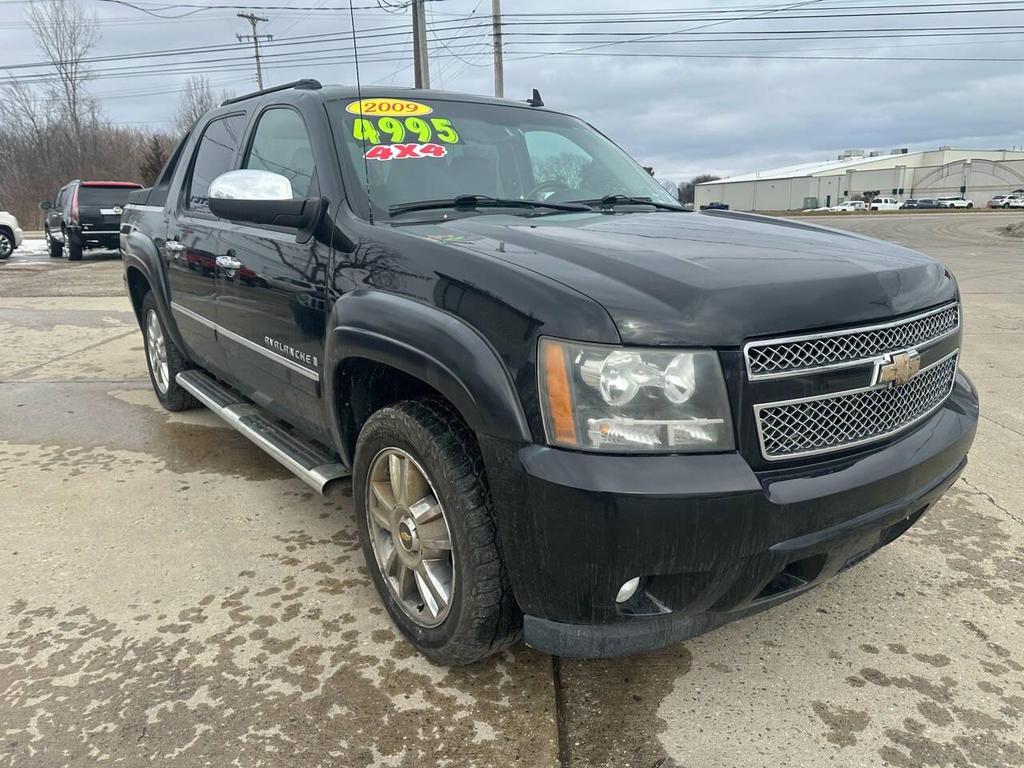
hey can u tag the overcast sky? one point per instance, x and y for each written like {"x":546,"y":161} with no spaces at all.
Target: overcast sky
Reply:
{"x":683,"y":115}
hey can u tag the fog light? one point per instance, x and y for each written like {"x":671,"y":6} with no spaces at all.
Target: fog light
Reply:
{"x":627,"y":590}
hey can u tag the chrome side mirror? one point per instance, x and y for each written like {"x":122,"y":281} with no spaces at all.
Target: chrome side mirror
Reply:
{"x":261,"y":197}
{"x":250,"y":184}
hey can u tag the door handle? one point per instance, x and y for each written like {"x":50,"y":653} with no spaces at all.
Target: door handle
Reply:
{"x":228,"y":262}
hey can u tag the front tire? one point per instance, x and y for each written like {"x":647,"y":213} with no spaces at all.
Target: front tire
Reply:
{"x":164,"y":361}
{"x":428,"y":532}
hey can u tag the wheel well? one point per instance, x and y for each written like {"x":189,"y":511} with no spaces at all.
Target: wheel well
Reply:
{"x":365,"y":386}
{"x":138,"y":287}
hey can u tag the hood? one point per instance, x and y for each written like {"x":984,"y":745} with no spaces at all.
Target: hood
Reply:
{"x":708,"y":279}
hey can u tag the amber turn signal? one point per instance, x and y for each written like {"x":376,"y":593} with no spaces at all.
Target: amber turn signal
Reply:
{"x":561,"y":420}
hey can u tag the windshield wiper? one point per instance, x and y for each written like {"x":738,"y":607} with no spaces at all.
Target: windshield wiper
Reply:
{"x":608,"y":201}
{"x":472,"y":202}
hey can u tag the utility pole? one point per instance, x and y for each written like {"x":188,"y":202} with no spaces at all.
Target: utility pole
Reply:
{"x":421,"y":64}
{"x":253,"y":19}
{"x":499,"y":69}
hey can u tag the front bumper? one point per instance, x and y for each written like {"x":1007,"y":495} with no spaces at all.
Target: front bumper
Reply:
{"x":712,"y":539}
{"x":19,"y":236}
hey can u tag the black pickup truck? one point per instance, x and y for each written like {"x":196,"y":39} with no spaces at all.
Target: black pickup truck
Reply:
{"x":570,"y":409}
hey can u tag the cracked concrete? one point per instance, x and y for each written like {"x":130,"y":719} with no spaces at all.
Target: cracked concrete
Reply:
{"x":170,"y":595}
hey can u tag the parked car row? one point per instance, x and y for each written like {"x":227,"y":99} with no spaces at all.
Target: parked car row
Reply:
{"x":1012,"y":200}
{"x":10,"y":234}
{"x":85,"y":215}
{"x":892,"y":204}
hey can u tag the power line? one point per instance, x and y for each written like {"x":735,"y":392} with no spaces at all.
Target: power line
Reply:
{"x":458,"y":30}
{"x":447,"y":33}
{"x":456,"y":36}
{"x":386,"y":51}
{"x":388,"y":31}
{"x":520,"y":55}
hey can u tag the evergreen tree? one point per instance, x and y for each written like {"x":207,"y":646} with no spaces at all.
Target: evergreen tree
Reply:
{"x":153,"y":159}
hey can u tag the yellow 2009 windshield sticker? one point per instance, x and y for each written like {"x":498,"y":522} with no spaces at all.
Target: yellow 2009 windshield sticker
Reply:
{"x":377,"y":107}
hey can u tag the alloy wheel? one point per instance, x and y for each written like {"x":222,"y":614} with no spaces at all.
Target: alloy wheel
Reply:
{"x":410,"y":537}
{"x":156,"y":350}
{"x":6,"y":246}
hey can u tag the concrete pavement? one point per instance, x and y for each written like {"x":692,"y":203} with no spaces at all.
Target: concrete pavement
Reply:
{"x":170,"y":595}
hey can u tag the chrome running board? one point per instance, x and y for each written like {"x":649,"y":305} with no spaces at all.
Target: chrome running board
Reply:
{"x":312,"y":464}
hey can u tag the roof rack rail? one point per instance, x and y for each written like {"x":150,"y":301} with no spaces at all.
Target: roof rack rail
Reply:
{"x":307,"y":84}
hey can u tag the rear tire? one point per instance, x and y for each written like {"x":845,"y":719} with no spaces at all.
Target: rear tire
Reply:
{"x":73,"y":247}
{"x":164,"y":360}
{"x":441,"y":463}
{"x":6,"y":244}
{"x":56,"y":248}
{"x":970,"y":205}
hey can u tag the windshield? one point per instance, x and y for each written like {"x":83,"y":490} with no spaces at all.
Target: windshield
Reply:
{"x":431,"y":149}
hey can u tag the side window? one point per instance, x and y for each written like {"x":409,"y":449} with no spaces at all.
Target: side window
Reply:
{"x":554,"y":157}
{"x":158,"y":194}
{"x":281,"y":145}
{"x":213,"y":157}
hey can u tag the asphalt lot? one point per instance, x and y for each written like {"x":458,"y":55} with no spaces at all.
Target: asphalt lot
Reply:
{"x":169,"y":595}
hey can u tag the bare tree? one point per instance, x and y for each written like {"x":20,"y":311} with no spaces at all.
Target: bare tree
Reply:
{"x":51,"y":135}
{"x":65,"y":32}
{"x":196,"y":99}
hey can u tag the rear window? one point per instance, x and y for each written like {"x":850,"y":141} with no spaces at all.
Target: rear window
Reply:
{"x":103,"y":195}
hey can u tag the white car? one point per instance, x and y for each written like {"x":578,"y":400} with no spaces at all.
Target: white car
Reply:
{"x":1013,"y":200}
{"x":850,"y":205}
{"x":885,"y":204}
{"x":10,"y":234}
{"x":955,"y":202}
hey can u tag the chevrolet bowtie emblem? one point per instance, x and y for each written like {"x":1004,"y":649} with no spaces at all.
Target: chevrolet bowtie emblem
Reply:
{"x":898,"y":368}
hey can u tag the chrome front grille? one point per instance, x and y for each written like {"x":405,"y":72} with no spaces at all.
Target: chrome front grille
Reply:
{"x":842,"y":420}
{"x":796,"y":355}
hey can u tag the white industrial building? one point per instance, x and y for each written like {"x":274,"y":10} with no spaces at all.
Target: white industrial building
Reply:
{"x":977,"y":174}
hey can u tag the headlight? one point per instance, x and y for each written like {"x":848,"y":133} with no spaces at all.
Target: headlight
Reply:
{"x":622,"y":399}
